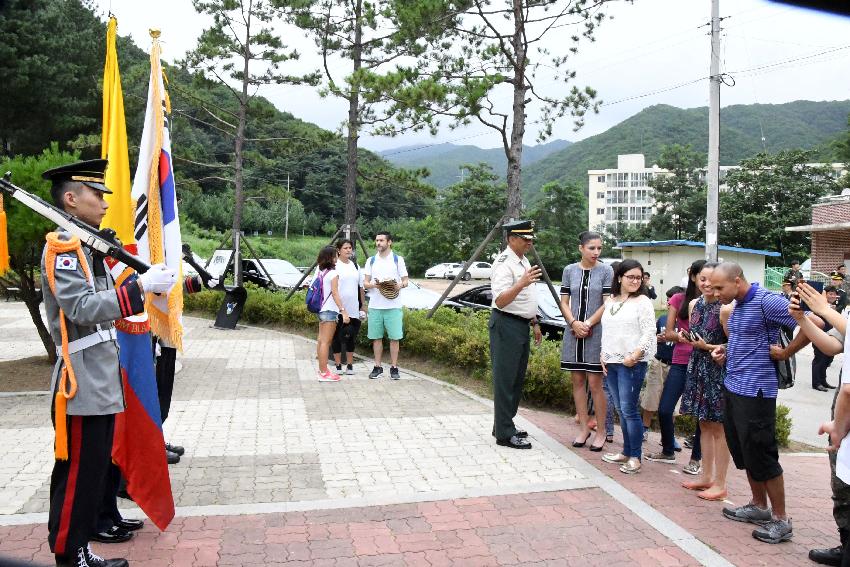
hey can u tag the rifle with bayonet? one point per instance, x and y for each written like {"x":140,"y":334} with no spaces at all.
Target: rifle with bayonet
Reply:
{"x":102,"y":241}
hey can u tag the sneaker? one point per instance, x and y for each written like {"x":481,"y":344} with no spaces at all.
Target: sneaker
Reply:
{"x":616,"y":458}
{"x":645,"y":434}
{"x":661,"y":457}
{"x":339,"y":368}
{"x":377,"y":371}
{"x":749,"y":513}
{"x":774,"y":531}
{"x":394,"y":373}
{"x":689,"y":442}
{"x":349,"y":370}
{"x":632,"y":466}
{"x":328,"y":377}
{"x":693,"y":467}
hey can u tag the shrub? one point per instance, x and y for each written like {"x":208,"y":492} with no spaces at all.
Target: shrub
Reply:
{"x":783,"y":425}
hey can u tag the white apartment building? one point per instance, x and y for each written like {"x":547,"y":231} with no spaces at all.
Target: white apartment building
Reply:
{"x":623,"y":195}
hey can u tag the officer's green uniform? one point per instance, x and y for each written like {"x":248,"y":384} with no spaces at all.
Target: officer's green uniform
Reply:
{"x":509,"y":333}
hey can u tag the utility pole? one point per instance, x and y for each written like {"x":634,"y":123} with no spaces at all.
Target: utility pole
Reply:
{"x":286,"y":222}
{"x":713,"y":173}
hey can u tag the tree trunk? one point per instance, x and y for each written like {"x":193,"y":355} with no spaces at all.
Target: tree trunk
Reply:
{"x":238,"y":193}
{"x":354,"y":120}
{"x":514,"y":151}
{"x":32,"y":299}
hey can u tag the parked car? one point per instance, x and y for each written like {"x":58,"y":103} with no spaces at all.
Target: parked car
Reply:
{"x":439,"y":271}
{"x":478,"y":271}
{"x":416,"y":297}
{"x":283,"y":274}
{"x":548,"y":312}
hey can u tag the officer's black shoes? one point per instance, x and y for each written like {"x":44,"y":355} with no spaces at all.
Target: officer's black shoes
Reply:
{"x":519,"y":433}
{"x":828,"y":385}
{"x":377,"y":371}
{"x":175,"y":449}
{"x":394,"y":373}
{"x":86,"y":558}
{"x":172,"y":458}
{"x":514,"y":443}
{"x":826,"y":556}
{"x":820,"y":388}
{"x":115,"y":534}
{"x":131,"y":525}
{"x":122,"y":493}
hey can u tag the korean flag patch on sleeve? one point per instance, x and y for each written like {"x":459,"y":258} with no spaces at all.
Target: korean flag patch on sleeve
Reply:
{"x":66,"y":263}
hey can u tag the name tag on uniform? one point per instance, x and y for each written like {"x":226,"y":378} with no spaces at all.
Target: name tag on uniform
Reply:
{"x":66,"y":263}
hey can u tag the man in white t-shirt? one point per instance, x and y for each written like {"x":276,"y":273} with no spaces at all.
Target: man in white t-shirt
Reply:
{"x":385,"y":314}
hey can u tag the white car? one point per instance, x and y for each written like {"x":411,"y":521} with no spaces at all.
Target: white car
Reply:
{"x":478,"y":271}
{"x":439,"y":271}
{"x":415,"y":297}
{"x":283,"y":273}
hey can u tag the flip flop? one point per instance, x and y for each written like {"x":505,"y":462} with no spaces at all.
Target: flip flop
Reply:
{"x":716,"y":497}
{"x":694,"y":485}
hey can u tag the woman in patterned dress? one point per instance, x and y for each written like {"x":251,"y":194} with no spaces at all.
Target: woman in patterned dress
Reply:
{"x":703,"y":395}
{"x":584,"y":287}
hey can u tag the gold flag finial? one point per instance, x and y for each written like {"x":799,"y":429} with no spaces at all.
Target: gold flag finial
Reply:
{"x":154,"y":33}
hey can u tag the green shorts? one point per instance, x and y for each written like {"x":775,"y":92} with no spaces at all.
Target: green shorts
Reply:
{"x":381,"y":320}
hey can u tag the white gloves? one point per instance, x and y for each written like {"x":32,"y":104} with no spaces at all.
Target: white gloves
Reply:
{"x":158,"y":279}
{"x":212,"y":283}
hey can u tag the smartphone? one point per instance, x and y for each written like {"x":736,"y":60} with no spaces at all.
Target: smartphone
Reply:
{"x":817,"y":285}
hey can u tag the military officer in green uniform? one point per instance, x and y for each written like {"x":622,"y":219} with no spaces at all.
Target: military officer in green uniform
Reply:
{"x":514,"y":311}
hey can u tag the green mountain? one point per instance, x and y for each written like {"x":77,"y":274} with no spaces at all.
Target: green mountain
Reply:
{"x":444,"y":161}
{"x":799,"y":124}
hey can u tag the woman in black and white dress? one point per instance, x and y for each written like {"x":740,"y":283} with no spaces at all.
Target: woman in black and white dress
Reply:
{"x":584,"y":287}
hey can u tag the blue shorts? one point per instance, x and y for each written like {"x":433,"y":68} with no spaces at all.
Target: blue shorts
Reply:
{"x":385,"y":320}
{"x":328,"y":316}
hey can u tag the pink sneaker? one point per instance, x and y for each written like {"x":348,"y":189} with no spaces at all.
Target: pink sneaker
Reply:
{"x":328,"y":377}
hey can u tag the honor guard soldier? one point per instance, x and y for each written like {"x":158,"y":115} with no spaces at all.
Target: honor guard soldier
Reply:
{"x":81,"y":302}
{"x":514,"y":311}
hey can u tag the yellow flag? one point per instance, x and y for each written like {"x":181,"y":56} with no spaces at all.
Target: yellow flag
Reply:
{"x":120,"y":215}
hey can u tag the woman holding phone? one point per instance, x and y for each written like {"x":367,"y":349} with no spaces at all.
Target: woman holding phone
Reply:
{"x":703,"y":395}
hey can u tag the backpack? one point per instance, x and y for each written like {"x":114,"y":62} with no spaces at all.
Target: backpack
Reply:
{"x":316,"y":293}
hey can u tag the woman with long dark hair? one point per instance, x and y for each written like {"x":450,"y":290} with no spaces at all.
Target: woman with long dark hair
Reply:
{"x":353,"y":298}
{"x":628,"y":344}
{"x":584,"y":287}
{"x":332,"y":307}
{"x":703,"y":395}
{"x":678,"y":322}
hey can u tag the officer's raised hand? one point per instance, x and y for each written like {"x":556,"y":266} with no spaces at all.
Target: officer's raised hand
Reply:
{"x":158,"y":279}
{"x":530,"y":276}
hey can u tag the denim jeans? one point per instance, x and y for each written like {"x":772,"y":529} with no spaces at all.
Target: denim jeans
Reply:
{"x":624,"y":384}
{"x":610,"y":409}
{"x":673,"y":388}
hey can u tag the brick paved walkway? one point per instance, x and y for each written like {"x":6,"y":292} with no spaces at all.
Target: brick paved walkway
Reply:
{"x":283,"y":470}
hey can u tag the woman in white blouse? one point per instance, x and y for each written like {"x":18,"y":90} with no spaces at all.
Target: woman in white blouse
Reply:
{"x":628,"y":344}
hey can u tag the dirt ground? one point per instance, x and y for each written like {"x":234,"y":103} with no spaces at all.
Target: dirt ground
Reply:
{"x":25,"y":375}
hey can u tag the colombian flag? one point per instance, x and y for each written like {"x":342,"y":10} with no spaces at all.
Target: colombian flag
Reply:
{"x":139,"y":446}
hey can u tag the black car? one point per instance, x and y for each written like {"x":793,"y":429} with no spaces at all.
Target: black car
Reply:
{"x":548,"y":312}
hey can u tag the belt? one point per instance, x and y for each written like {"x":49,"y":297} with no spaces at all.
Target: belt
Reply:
{"x":512,"y":316}
{"x":99,"y":336}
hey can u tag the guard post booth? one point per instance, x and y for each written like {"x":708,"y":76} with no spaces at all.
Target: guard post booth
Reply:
{"x":668,"y":261}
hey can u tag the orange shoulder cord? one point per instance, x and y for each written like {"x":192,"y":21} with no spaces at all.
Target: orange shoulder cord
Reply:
{"x":68,"y":381}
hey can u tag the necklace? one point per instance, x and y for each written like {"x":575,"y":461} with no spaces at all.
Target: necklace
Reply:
{"x":615,"y":307}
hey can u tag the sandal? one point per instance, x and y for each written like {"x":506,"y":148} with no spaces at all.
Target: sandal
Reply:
{"x":632,"y":466}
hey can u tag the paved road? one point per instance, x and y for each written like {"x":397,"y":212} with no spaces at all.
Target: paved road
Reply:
{"x":283,"y":470}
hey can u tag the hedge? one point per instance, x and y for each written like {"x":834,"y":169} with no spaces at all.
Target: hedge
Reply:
{"x":456,"y":339}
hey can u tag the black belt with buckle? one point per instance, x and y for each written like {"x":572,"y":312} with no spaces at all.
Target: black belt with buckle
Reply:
{"x":512,"y":316}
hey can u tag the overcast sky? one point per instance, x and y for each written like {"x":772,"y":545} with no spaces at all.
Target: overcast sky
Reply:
{"x":773,"y":52}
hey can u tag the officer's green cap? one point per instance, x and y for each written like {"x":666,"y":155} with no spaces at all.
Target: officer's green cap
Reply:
{"x":523,"y":228}
{"x":90,"y":172}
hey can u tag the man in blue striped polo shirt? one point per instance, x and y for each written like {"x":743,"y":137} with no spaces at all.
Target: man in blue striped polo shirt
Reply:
{"x":750,"y":389}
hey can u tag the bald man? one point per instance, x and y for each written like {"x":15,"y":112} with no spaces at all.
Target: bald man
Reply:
{"x":750,"y":390}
